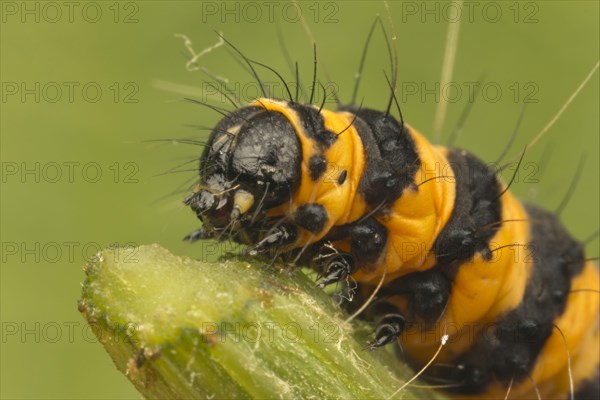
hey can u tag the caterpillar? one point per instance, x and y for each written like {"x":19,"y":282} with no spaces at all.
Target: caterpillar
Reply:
{"x":362,"y":195}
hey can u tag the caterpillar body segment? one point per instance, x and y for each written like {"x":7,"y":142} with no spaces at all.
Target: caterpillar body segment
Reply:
{"x":364,"y":196}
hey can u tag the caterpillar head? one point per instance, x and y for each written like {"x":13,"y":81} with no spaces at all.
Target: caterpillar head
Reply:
{"x":251,"y":163}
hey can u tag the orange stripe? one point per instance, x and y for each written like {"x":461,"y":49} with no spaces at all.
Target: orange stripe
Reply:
{"x":342,"y":202}
{"x":417,"y":217}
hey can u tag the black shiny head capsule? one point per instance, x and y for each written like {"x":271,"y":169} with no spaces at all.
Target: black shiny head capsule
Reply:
{"x":267,"y":157}
{"x":252,"y":161}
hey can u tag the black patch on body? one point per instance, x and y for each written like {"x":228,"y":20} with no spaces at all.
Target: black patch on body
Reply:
{"x":589,"y":389}
{"x":397,"y":163}
{"x":428,"y":292}
{"x":342,"y":177}
{"x":313,"y":125}
{"x":311,"y":216}
{"x":367,"y":240}
{"x":374,"y":165}
{"x":317,"y":164}
{"x":393,"y":160}
{"x":476,"y":214}
{"x":395,"y":143}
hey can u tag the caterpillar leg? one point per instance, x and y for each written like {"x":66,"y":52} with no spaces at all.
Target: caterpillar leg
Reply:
{"x":389,"y":328}
{"x":428,"y":294}
{"x":279,"y":236}
{"x":367,"y":242}
{"x":198,"y":234}
{"x":336,"y":267}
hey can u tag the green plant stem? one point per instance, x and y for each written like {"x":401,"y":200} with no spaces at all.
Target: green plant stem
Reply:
{"x":179,"y":328}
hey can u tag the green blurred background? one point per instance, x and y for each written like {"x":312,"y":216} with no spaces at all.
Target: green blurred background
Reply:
{"x":57,"y":210}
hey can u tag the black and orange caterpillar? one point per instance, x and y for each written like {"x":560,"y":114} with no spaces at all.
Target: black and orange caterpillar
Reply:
{"x":367,"y":197}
